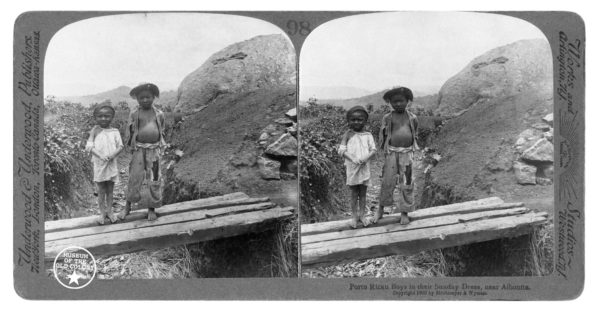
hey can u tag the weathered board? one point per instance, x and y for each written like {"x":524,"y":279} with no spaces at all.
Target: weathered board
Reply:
{"x":431,"y":228}
{"x":179,"y":223}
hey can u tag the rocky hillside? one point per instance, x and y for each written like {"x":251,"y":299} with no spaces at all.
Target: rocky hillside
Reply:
{"x":260,"y":62}
{"x":508,"y":70}
{"x":499,"y":142}
{"x":240,"y":142}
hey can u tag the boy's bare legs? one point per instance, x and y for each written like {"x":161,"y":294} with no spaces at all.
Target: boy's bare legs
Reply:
{"x":362,"y":204}
{"x":152,"y":214}
{"x":109,"y":201}
{"x":354,"y":192}
{"x":101,"y":202}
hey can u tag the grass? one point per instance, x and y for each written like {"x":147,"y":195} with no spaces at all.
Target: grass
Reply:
{"x":167,"y":263}
{"x":424,"y":264}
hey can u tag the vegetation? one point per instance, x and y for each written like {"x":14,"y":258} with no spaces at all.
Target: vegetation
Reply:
{"x":321,"y":176}
{"x":66,"y":165}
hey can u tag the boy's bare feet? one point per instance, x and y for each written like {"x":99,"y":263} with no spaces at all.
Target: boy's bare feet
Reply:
{"x":112,"y":217}
{"x":123,"y":214}
{"x":152,"y":214}
{"x":353,"y":223}
{"x":365,"y":221}
{"x":404,"y":218}
{"x":101,"y":219}
{"x":378,"y":215}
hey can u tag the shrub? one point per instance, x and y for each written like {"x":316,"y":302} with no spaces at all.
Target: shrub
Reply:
{"x":65,"y":163}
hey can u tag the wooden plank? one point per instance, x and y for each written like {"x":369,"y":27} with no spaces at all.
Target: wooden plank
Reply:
{"x":316,"y":228}
{"x":89,"y":221}
{"x":171,"y":234}
{"x":411,"y":242}
{"x":167,"y":219}
{"x":414,"y":225}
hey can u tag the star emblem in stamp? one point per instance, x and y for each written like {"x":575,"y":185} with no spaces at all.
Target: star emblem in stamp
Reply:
{"x":74,"y":267}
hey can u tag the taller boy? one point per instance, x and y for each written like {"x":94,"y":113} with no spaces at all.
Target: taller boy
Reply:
{"x":398,"y":140}
{"x":144,"y":136}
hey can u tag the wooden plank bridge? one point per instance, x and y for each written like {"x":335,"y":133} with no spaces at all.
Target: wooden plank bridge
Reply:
{"x":432,"y":228}
{"x":179,"y":223}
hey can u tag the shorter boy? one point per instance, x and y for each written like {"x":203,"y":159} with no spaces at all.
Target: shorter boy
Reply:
{"x":398,"y":140}
{"x":145,"y":138}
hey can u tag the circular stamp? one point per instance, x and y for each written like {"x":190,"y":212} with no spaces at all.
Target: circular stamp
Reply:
{"x":74,"y":267}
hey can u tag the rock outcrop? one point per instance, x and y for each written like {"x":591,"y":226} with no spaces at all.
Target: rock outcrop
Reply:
{"x":503,"y":71}
{"x":505,"y":97}
{"x":260,"y":62}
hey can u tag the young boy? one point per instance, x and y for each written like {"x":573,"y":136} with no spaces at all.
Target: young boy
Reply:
{"x":144,"y":136}
{"x":398,"y":140}
{"x":357,"y":147}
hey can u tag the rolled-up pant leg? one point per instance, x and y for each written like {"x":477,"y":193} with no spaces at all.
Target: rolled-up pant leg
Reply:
{"x":389,"y":179}
{"x":145,"y":167}
{"x":406,"y":202}
{"x":136,"y":176}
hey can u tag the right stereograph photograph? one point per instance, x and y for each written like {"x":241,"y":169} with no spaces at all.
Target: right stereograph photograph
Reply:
{"x":426,"y":147}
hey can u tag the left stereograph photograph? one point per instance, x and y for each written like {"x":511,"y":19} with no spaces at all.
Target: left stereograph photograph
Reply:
{"x":170,"y":147}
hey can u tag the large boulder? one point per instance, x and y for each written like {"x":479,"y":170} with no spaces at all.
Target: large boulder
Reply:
{"x":503,"y":71}
{"x":260,"y":62}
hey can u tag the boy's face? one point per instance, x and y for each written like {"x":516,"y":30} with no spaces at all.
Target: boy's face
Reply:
{"x":104,"y":116}
{"x":399,"y":103}
{"x":357,"y":121}
{"x":145,"y":99}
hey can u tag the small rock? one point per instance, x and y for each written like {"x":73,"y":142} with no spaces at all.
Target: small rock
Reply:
{"x":547,"y":171}
{"x":527,"y":138}
{"x":541,"y":151}
{"x":263,"y":136}
{"x":179,"y":153}
{"x":292,"y":114}
{"x":543,"y":181}
{"x":293,"y":130}
{"x":269,"y":169}
{"x":541,"y":126}
{"x":525,"y":173}
{"x":549,"y":135}
{"x":549,"y":119}
{"x":284,"y":121}
{"x":286,"y":145}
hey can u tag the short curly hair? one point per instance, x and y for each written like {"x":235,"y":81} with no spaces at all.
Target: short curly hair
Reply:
{"x":99,"y":107}
{"x":406,"y":92}
{"x":356,"y":109}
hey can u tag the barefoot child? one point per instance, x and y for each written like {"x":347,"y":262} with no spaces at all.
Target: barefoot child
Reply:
{"x":105,"y":144}
{"x":357,"y":147}
{"x":398,"y":140}
{"x":144,"y":136}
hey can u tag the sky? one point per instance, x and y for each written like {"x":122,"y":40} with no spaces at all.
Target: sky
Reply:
{"x":100,"y":54}
{"x":420,"y":50}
